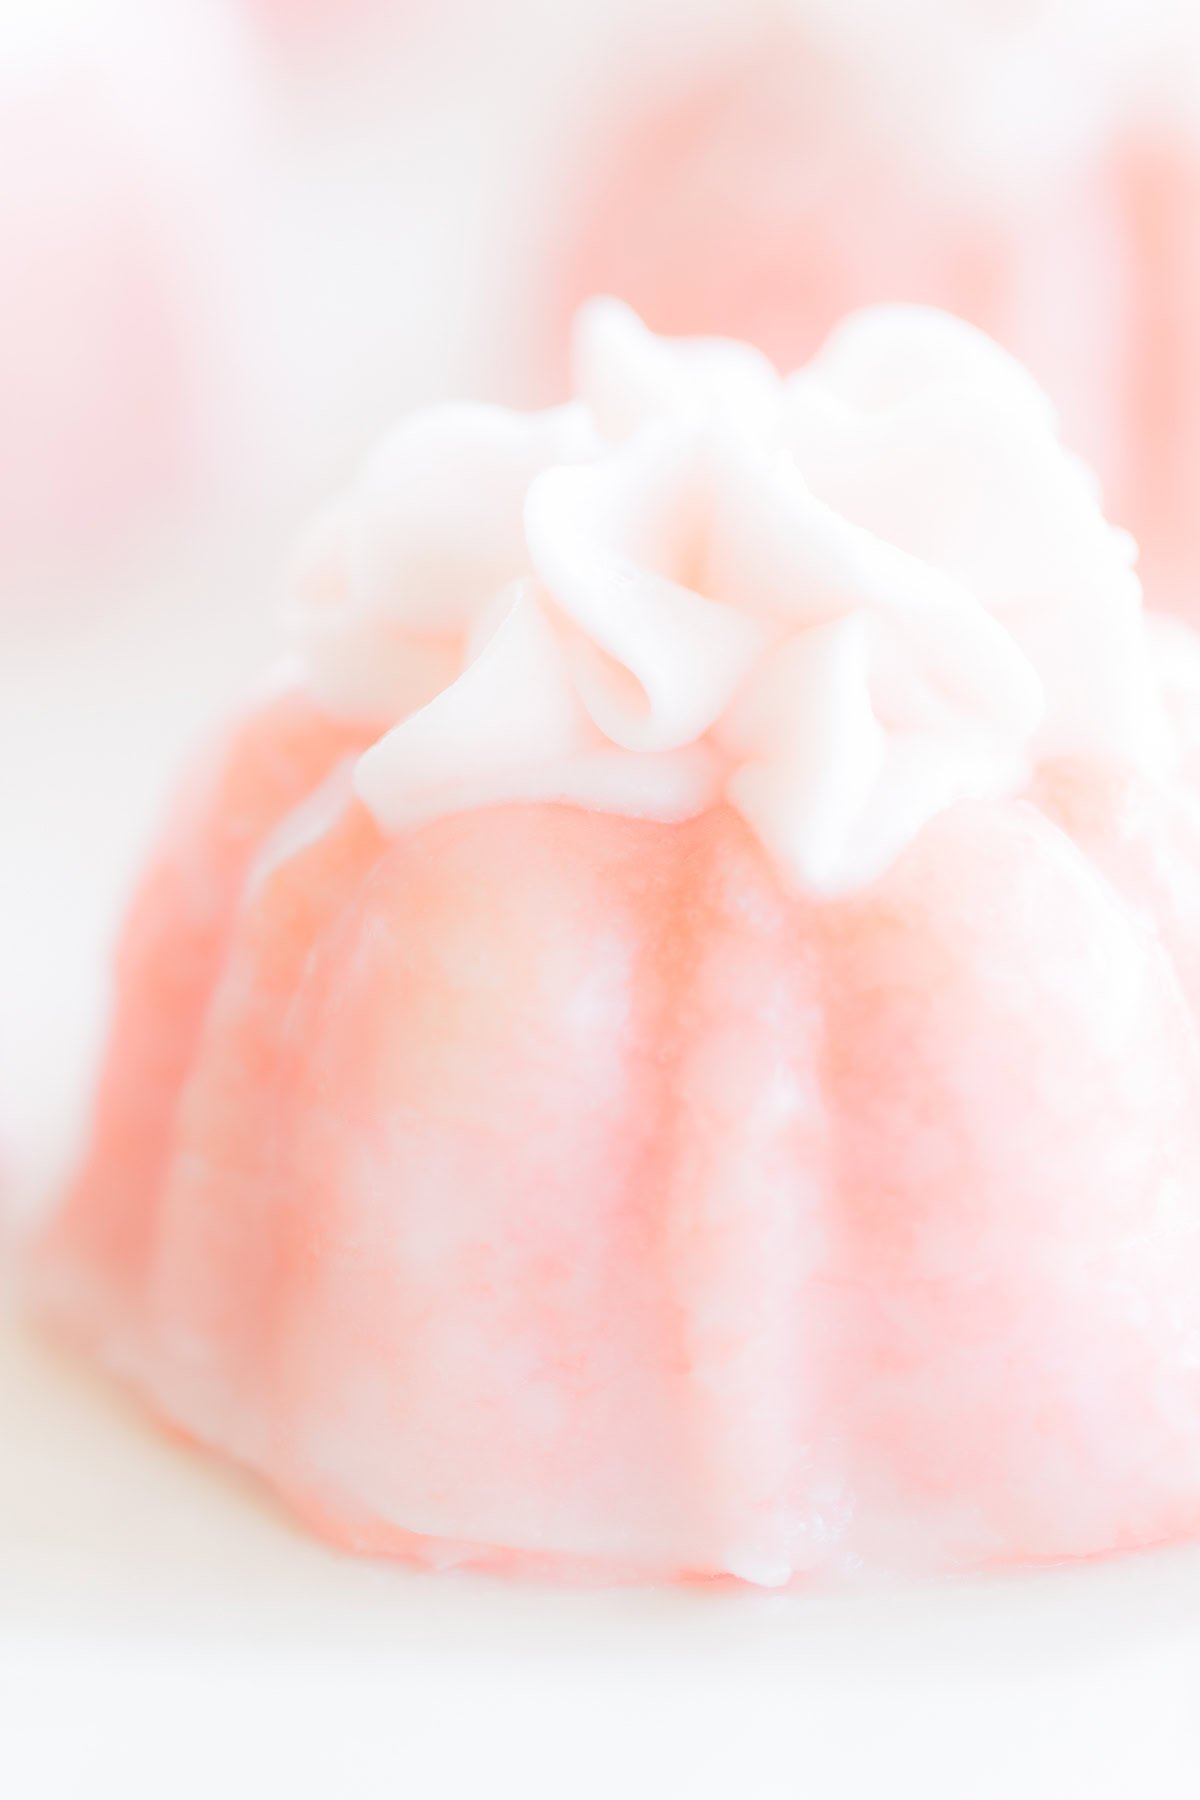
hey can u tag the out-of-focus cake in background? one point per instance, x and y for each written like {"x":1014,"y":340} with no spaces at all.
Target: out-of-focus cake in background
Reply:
{"x":665,"y":1044}
{"x":132,"y":362}
{"x":1033,"y":166}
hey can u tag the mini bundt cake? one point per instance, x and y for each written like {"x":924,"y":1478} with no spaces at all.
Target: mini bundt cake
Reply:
{"x":665,"y":1044}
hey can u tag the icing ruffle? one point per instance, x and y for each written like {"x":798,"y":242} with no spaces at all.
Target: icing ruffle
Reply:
{"x":839,"y":601}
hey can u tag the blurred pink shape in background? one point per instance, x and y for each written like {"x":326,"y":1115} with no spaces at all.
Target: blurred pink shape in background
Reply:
{"x":315,"y":20}
{"x":127,"y":272}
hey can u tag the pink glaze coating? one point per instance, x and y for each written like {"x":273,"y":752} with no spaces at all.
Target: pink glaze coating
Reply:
{"x":553,"y":1188}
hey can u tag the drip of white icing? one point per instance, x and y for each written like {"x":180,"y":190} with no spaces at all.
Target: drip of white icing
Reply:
{"x":839,"y":601}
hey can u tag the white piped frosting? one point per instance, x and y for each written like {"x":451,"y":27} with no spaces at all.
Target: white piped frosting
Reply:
{"x":838,"y":601}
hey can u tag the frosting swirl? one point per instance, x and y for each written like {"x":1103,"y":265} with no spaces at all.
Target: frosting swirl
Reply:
{"x":839,"y":600}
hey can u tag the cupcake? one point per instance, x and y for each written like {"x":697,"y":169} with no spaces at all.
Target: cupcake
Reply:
{"x":664,"y":1045}
{"x":1034,"y":168}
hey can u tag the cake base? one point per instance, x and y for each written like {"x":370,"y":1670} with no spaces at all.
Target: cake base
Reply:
{"x":166,"y":1627}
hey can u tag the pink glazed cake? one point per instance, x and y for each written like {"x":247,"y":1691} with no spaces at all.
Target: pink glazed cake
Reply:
{"x":665,"y":1044}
